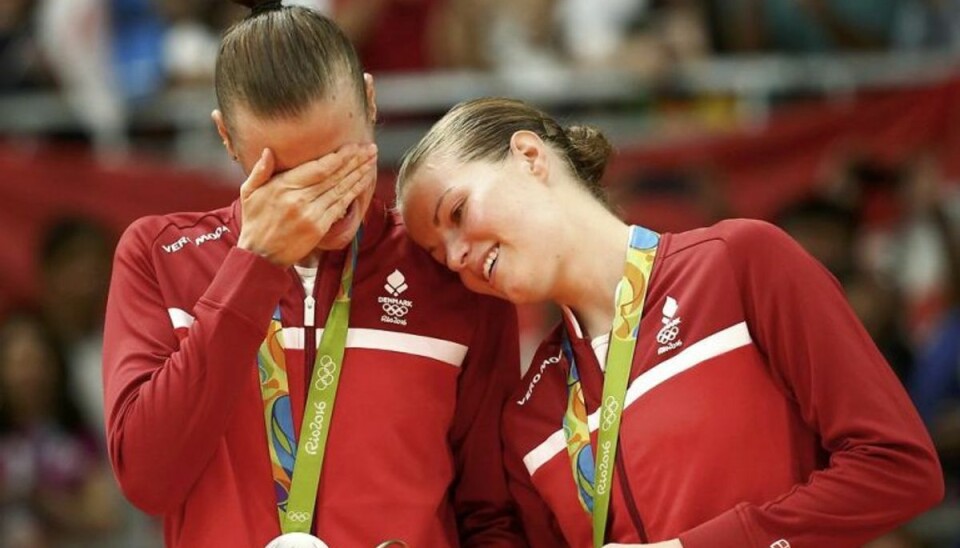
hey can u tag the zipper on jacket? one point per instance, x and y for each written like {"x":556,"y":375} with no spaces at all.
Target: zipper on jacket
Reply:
{"x":628,"y":497}
{"x":309,"y":329}
{"x":309,"y":311}
{"x":309,"y":339}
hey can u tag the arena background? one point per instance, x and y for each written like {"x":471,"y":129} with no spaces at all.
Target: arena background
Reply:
{"x":839,"y":120}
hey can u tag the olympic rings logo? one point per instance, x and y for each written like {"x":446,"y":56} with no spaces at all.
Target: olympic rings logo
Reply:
{"x":325,"y":373}
{"x":610,"y":408}
{"x":298,"y":517}
{"x":396,"y":310}
{"x":668,"y":334}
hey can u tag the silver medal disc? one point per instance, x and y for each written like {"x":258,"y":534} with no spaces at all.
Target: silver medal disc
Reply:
{"x":297,"y":540}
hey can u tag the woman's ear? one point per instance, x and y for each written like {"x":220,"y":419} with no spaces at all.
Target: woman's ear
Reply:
{"x":529,"y":149}
{"x":221,"y":124}
{"x":371,"y":93}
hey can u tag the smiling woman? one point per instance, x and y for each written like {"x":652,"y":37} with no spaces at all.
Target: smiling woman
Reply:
{"x":473,"y":207}
{"x":703,"y":377}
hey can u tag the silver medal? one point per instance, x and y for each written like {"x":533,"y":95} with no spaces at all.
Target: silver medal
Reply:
{"x":297,"y":540}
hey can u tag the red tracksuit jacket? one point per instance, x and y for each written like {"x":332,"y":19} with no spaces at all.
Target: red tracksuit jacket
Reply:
{"x":414,"y":451}
{"x":759,"y":413}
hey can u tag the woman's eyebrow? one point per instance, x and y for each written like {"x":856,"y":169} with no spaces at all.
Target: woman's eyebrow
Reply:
{"x":436,"y":211}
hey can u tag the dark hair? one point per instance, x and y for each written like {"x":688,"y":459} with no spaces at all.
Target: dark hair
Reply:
{"x":481,"y":129}
{"x":819,"y":208}
{"x":63,"y":233}
{"x":67,"y":411}
{"x":280,"y":59}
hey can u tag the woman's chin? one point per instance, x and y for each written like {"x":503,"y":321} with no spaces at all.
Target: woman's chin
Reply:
{"x":480,"y":286}
{"x":341,"y":232}
{"x":507,"y":294}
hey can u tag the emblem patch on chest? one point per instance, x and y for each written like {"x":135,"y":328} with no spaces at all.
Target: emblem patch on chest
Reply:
{"x":669,"y":335}
{"x":395,"y":309}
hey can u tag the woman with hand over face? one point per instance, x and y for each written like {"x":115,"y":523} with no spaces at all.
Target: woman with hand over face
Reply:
{"x":291,"y":364}
{"x":705,"y":389}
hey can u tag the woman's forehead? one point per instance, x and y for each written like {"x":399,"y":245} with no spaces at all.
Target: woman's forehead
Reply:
{"x":422,"y":189}
{"x":323,"y":127}
{"x":419,"y":200}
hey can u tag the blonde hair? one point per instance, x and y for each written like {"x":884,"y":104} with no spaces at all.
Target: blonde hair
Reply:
{"x":481,"y":129}
{"x":278,"y":60}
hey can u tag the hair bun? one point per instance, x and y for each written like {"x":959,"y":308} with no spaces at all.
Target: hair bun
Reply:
{"x":260,"y":5}
{"x":589,"y":151}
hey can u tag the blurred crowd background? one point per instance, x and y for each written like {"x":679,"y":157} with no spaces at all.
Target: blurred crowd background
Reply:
{"x":837,"y":119}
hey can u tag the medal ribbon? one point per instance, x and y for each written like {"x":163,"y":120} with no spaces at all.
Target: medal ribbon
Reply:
{"x":594,"y":482}
{"x":297,"y":492}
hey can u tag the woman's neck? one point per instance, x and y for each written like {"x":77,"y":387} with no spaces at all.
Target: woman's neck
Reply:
{"x":311,"y":261}
{"x":592,"y":270}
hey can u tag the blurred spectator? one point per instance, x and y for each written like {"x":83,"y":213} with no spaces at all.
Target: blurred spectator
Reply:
{"x":191,"y":38}
{"x":879,"y":304}
{"x":870,"y":191}
{"x":21,"y":62}
{"x":75,"y":36}
{"x":644,"y":37}
{"x":829,"y":231}
{"x":462,"y":39}
{"x":935,"y":385}
{"x":872,"y":233}
{"x":136,"y":31}
{"x":74,"y":260}
{"x":694,"y":193}
{"x":414,"y":35}
{"x":54,"y":485}
{"x":390,"y":35}
{"x":929,"y":24}
{"x":522,"y":36}
{"x":804,"y":26}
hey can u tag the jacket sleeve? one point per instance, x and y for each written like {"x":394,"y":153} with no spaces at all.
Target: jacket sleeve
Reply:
{"x":882,"y":467}
{"x":486,"y":515}
{"x":538,"y":521}
{"x":168,"y":399}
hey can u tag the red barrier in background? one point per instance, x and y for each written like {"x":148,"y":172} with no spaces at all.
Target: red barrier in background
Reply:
{"x":757,"y":173}
{"x":41,"y":185}
{"x":760,"y":172}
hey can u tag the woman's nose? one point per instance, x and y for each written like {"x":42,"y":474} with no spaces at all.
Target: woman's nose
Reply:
{"x":457,"y":252}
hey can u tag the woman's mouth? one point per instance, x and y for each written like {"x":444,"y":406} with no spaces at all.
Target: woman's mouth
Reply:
{"x":490,"y":262}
